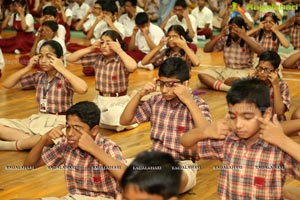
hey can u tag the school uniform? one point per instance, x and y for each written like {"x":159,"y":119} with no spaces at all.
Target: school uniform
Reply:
{"x":102,"y":26}
{"x":203,"y":17}
{"x":294,"y":32}
{"x":128,"y":22}
{"x":267,"y":42}
{"x":54,"y":99}
{"x":24,"y":40}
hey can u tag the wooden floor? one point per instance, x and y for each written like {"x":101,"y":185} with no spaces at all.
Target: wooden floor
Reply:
{"x":43,"y":182}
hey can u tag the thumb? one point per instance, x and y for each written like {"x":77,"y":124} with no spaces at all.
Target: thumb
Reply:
{"x":275,"y":119}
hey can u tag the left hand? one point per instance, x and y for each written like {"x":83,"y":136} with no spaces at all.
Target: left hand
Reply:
{"x":237,"y":30}
{"x":274,"y":27}
{"x":115,"y":46}
{"x":273,"y":78}
{"x":145,"y":30}
{"x":55,"y":62}
{"x":85,"y":142}
{"x":180,"y":42}
{"x":183,"y":93}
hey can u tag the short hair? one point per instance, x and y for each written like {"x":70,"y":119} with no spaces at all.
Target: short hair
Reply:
{"x":181,"y":3}
{"x":114,"y":35}
{"x":272,"y":57}
{"x":133,"y":2}
{"x":51,"y":24}
{"x":240,"y":2}
{"x":141,"y":18}
{"x":174,"y":67}
{"x":50,"y":10}
{"x":110,"y":7}
{"x":58,"y":50}
{"x":88,"y":112}
{"x":250,"y":90}
{"x":164,"y":179}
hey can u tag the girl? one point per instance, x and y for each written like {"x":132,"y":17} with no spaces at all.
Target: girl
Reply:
{"x":112,"y":67}
{"x":177,"y":46}
{"x":267,"y":33}
{"x":54,"y":85}
{"x":23,"y":23}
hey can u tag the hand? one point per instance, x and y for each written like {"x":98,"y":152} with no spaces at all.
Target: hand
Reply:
{"x":32,"y":61}
{"x":57,"y":63}
{"x":273,"y":78}
{"x":262,"y":25}
{"x":85,"y":142}
{"x":21,"y":10}
{"x":148,"y":88}
{"x":99,"y":18}
{"x":115,"y":46}
{"x":185,"y":14}
{"x":252,"y":73}
{"x":274,"y":27}
{"x":183,"y":93}
{"x":163,"y":41}
{"x":180,"y":42}
{"x":219,"y":130}
{"x":271,"y":131}
{"x":224,"y":31}
{"x":135,"y":30}
{"x":237,"y":30}
{"x":108,"y":20}
{"x":145,"y":30}
{"x":54,"y":133}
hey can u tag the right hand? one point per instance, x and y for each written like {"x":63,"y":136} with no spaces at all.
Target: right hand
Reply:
{"x":32,"y":61}
{"x":54,"y":133}
{"x":219,"y":130}
{"x":148,"y":88}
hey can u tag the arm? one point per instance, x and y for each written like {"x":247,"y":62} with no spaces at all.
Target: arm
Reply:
{"x":290,"y":62}
{"x":147,"y":59}
{"x":111,"y":24}
{"x":77,"y":83}
{"x":21,"y":12}
{"x":79,"y":25}
{"x":279,"y":107}
{"x":149,"y":41}
{"x":75,"y":57}
{"x":90,"y":33}
{"x":6,"y":20}
{"x":34,"y":157}
{"x":127,"y":117}
{"x":36,"y":41}
{"x":254,"y":31}
{"x":286,"y":24}
{"x":131,"y":45}
{"x":209,"y":46}
{"x":128,"y":61}
{"x":283,"y":41}
{"x":14,"y":79}
{"x":188,"y":23}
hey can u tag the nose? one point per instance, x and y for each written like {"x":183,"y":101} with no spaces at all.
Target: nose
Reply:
{"x":239,"y":123}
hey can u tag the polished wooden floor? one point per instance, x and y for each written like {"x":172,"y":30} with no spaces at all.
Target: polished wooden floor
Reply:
{"x":42,"y":182}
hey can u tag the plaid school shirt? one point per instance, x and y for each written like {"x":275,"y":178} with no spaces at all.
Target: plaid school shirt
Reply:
{"x":256,"y":172}
{"x":294,"y":32}
{"x":111,"y":75}
{"x":58,"y":92}
{"x":84,"y":174}
{"x":168,"y":123}
{"x":285,"y":96}
{"x":161,"y":56}
{"x":268,"y":44}
{"x":235,"y":56}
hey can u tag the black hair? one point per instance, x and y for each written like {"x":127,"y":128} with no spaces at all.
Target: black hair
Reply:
{"x":141,"y":18}
{"x":50,"y":10}
{"x":58,"y":50}
{"x":155,"y":173}
{"x":250,"y":90}
{"x":51,"y":24}
{"x":133,"y":2}
{"x":114,"y":35}
{"x":272,"y":57}
{"x":240,"y":2}
{"x":181,"y":32}
{"x":110,"y":7}
{"x":21,"y":2}
{"x":174,"y":67}
{"x":88,"y":112}
{"x":181,"y":3}
{"x":275,"y":19}
{"x":239,"y":21}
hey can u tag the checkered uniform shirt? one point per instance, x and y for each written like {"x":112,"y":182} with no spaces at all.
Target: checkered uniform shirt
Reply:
{"x":111,"y":75}
{"x":256,"y":172}
{"x":268,"y":44}
{"x":285,"y":96}
{"x":294,"y":31}
{"x":161,"y":56}
{"x":234,"y":56}
{"x":168,"y":123}
{"x":59,"y":93}
{"x":298,"y":64}
{"x":84,"y":174}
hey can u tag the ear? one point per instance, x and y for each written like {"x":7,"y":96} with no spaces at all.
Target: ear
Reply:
{"x":95,"y":130}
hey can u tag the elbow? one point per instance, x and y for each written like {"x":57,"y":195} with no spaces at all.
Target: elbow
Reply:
{"x":83,"y":90}
{"x":132,"y":68}
{"x":197,"y":63}
{"x":286,"y":45}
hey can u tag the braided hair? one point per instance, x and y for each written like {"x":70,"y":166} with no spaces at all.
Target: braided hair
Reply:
{"x":275,"y":19}
{"x":239,"y":21}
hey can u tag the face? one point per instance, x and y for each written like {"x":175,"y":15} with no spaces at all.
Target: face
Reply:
{"x":268,"y":23}
{"x":104,"y":46}
{"x":97,"y":10}
{"x":172,"y":35}
{"x":243,"y":121}
{"x":47,"y":33}
{"x":107,"y":13}
{"x":178,"y":10}
{"x":264,"y":69}
{"x":133,"y":193}
{"x":44,"y":58}
{"x":167,"y":86}
{"x":201,"y":3}
{"x":73,"y":135}
{"x":128,"y":6}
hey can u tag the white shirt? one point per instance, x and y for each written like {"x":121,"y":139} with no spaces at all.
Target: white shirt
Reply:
{"x":205,"y":16}
{"x":102,"y":26}
{"x":175,"y":21}
{"x":28,"y":19}
{"x":61,"y":32}
{"x":89,"y":22}
{"x":155,"y":33}
{"x":128,"y":23}
{"x":57,"y":39}
{"x":79,"y":11}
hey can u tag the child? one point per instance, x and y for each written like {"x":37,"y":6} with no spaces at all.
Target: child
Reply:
{"x":22,"y":22}
{"x":256,"y":155}
{"x":267,"y":33}
{"x":267,"y":70}
{"x":54,"y":85}
{"x":145,"y":37}
{"x":177,"y":46}
{"x":151,"y":175}
{"x":78,"y":11}
{"x":112,"y":68}
{"x":92,"y":163}
{"x":171,"y":113}
{"x":238,"y":50}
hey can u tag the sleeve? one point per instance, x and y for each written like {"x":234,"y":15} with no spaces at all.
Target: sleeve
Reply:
{"x":89,"y":59}
{"x":29,"y":20}
{"x":114,"y":151}
{"x":211,"y":149}
{"x":202,"y":105}
{"x":61,"y":32}
{"x":144,"y":111}
{"x":291,"y":166}
{"x":11,"y":20}
{"x":29,"y":81}
{"x":54,"y":156}
{"x":219,"y":46}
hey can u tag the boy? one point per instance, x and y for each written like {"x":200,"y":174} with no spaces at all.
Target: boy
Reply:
{"x":267,"y":70}
{"x":152,"y":175}
{"x":92,"y":163}
{"x":256,"y":153}
{"x":171,"y":113}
